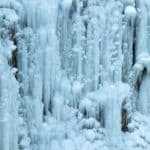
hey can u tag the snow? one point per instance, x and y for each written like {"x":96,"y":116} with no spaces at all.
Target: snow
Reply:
{"x":130,"y":11}
{"x":89,"y":123}
{"x":144,"y":59}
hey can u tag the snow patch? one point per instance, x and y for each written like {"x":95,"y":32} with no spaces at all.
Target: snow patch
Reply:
{"x":130,"y":11}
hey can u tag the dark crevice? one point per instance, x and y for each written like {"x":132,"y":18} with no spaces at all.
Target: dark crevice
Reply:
{"x":83,"y":9}
{"x":101,"y":117}
{"x":50,"y":106}
{"x":124,"y":121}
{"x":13,"y":61}
{"x":134,"y":44}
{"x":44,"y":110}
{"x":85,"y":113}
{"x":86,"y":26}
{"x":140,"y":79}
{"x":101,"y":114}
{"x":73,"y":9}
{"x":124,"y":118}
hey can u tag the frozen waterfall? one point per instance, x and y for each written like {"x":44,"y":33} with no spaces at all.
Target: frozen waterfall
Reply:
{"x":74,"y":74}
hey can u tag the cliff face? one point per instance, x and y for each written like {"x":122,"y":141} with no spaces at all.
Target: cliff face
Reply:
{"x":74,"y":74}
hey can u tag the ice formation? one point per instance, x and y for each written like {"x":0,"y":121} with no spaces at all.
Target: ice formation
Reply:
{"x":74,"y":74}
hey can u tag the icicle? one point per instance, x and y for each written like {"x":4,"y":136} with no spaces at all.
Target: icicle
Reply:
{"x":141,"y":30}
{"x":128,"y":44}
{"x":113,"y":106}
{"x":4,"y":115}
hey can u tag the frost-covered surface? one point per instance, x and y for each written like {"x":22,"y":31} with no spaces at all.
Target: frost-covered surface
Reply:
{"x":74,"y":74}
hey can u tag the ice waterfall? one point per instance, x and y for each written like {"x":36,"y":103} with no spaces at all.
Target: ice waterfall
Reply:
{"x":68,"y":66}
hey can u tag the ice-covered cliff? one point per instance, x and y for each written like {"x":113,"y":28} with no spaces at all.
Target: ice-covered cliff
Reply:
{"x":74,"y":74}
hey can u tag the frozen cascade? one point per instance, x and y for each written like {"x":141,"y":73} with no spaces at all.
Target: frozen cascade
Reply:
{"x":73,"y":74}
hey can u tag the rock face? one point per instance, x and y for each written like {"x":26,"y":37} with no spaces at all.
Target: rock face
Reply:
{"x":73,"y":74}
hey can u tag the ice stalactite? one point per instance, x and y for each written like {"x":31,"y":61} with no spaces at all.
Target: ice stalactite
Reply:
{"x":8,"y":111}
{"x":141,"y":30}
{"x":95,"y":25}
{"x":128,"y":44}
{"x":4,"y":120}
{"x":112,"y":71}
{"x":63,"y":31}
{"x":8,"y":84}
{"x":38,"y":69}
{"x":32,"y":35}
{"x":142,"y":58}
{"x":71,"y":43}
{"x":92,"y":46}
{"x":113,"y":108}
{"x":129,"y":50}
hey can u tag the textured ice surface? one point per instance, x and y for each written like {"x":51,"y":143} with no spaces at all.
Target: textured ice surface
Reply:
{"x":73,"y":74}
